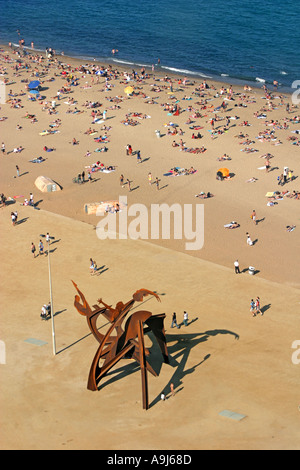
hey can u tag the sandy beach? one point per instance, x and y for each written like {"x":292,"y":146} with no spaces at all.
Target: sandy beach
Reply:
{"x":225,"y":359}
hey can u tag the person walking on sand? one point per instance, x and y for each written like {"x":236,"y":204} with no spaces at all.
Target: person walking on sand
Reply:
{"x":41,"y":248}
{"x":150,"y":178}
{"x":93,"y":266}
{"x":249,"y":241}
{"x":174,"y":320}
{"x":18,"y":170}
{"x":280,"y":180}
{"x":185,"y":318}
{"x":157,"y":183}
{"x":252,"y":308}
{"x":122,"y":181}
{"x":237,"y":267}
{"x":129,"y":185}
{"x":253,"y":216}
{"x":14,"y":217}
{"x":3,"y":148}
{"x":172,"y":389}
{"x":257,"y":305}
{"x":33,"y":249}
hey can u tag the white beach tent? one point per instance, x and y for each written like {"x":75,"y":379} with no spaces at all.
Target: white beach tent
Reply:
{"x":46,"y":185}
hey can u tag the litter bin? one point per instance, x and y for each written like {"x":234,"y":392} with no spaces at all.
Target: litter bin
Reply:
{"x":157,"y":134}
{"x":251,"y":270}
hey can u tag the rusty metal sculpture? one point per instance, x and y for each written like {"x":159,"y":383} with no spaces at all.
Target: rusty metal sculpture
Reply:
{"x":128,"y":341}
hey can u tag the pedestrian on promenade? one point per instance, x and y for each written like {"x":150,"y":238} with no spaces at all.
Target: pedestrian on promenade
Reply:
{"x":174,"y":320}
{"x":237,"y":267}
{"x":252,"y":308}
{"x":257,"y":306}
{"x":41,"y":248}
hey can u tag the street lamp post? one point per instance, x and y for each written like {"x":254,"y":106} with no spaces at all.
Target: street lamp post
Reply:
{"x":48,"y":238}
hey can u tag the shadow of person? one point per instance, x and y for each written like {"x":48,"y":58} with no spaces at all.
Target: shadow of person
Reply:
{"x":21,"y":221}
{"x":265,"y":308}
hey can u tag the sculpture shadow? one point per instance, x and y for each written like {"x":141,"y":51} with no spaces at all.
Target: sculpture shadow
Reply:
{"x":179,"y":353}
{"x":179,"y":348}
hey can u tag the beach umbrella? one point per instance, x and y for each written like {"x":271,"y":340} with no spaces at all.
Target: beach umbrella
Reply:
{"x":128,"y":90}
{"x":224,"y":171}
{"x":34,"y":92}
{"x":34,"y":84}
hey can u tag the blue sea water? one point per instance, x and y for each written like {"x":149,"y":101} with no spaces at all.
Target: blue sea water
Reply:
{"x":228,"y":40}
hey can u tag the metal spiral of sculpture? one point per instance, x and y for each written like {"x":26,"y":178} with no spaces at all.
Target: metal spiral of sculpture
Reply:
{"x":128,"y":342}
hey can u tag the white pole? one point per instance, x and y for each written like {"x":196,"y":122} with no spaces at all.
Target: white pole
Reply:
{"x":51,"y":301}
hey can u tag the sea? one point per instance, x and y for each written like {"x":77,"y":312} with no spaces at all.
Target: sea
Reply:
{"x":232,"y":41}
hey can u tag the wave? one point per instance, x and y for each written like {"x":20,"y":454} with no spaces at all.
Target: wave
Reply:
{"x":260,"y":80}
{"x":184,"y":71}
{"x":126,"y":62}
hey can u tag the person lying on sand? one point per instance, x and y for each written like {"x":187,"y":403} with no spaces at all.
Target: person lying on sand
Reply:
{"x":224,"y":157}
{"x":290,"y":228}
{"x":90,"y":131}
{"x":203,"y":195}
{"x":232,"y":225}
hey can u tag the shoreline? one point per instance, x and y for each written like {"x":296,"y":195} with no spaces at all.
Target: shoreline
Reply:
{"x":162,"y":70}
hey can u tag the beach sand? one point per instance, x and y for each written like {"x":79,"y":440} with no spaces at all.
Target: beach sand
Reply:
{"x":224,"y":359}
